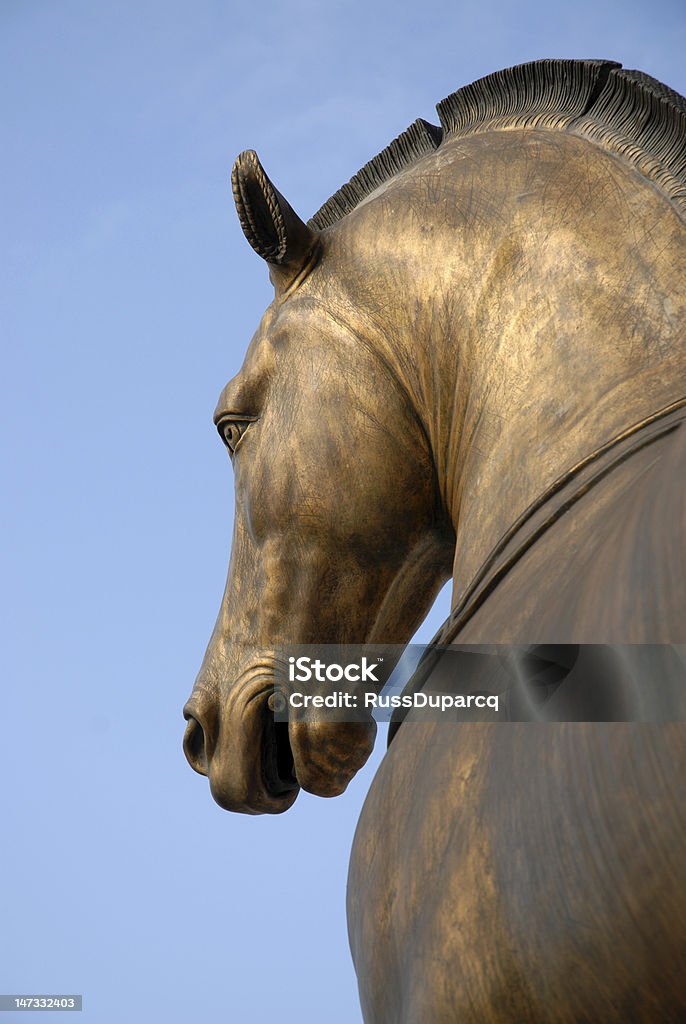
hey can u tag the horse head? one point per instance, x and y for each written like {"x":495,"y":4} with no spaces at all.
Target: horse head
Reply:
{"x":338,"y":534}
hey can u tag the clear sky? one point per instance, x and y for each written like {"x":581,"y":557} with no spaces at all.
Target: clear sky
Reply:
{"x":128,"y":295}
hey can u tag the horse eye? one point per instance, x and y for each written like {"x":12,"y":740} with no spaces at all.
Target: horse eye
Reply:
{"x":232,"y":431}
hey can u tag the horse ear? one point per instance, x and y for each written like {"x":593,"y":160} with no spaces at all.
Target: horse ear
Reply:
{"x":270,"y":224}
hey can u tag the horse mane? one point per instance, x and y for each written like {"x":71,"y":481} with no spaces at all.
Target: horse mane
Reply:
{"x":627,"y":113}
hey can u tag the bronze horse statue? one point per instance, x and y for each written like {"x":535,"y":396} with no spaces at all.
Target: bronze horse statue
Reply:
{"x":474,"y":367}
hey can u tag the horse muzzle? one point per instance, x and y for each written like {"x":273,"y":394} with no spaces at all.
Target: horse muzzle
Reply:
{"x":242,"y":749}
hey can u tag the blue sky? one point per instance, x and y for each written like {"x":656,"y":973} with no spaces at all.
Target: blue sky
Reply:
{"x":128,"y":297}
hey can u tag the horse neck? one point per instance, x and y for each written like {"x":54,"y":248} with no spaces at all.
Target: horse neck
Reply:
{"x":541,"y":315}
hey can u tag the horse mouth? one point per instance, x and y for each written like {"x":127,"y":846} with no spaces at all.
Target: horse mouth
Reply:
{"x":278,"y":764}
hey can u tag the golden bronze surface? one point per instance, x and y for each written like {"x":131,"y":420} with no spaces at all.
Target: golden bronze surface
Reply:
{"x":474,"y":367}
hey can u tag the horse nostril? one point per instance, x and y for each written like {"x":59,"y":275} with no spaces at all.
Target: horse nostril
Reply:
{"x":194,"y":746}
